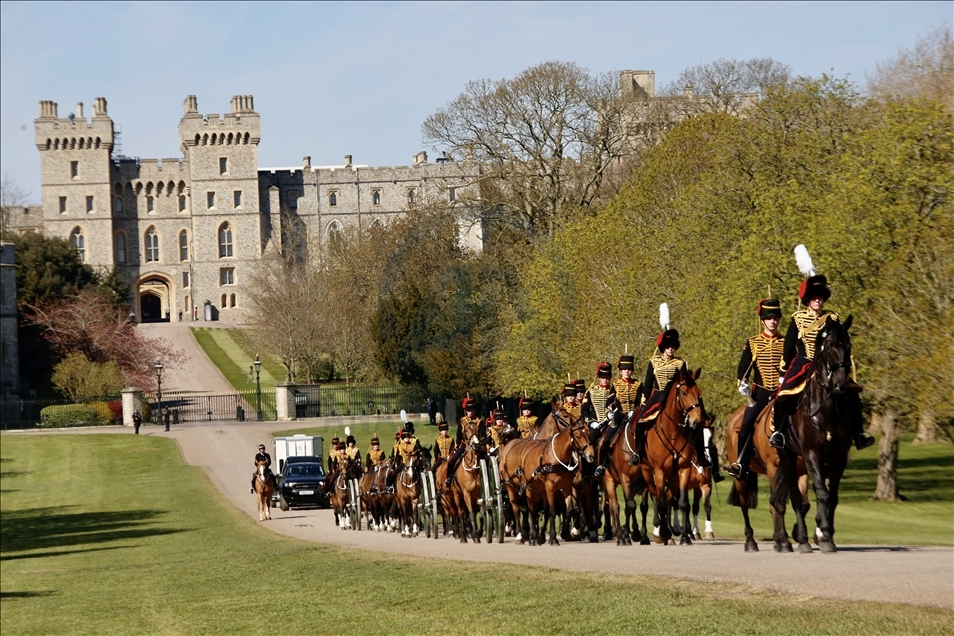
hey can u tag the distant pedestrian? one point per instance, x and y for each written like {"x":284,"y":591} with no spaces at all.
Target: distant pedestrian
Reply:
{"x":432,"y":410}
{"x":137,"y":421}
{"x":180,"y":315}
{"x":166,"y":416}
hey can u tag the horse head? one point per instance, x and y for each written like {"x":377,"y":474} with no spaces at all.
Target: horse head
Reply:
{"x":833,"y":355}
{"x":580,"y":438}
{"x":686,"y":396}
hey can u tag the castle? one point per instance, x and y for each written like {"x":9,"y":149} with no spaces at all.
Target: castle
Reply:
{"x":186,"y":232}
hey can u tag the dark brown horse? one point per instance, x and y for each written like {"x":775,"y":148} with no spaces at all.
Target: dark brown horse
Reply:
{"x":538,"y":474}
{"x":339,"y":494}
{"x":670,"y":452}
{"x":377,"y":494}
{"x":264,"y":488}
{"x":821,"y":434}
{"x":407,"y":493}
{"x":622,"y":472}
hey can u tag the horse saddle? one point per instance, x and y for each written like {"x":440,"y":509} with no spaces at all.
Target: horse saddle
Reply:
{"x":651,"y":413}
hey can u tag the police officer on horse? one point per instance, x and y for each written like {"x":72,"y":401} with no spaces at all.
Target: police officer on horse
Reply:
{"x":261,"y":456}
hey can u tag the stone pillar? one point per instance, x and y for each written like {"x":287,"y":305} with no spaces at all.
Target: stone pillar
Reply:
{"x":285,"y":401}
{"x":132,"y":401}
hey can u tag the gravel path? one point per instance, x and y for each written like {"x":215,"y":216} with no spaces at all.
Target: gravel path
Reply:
{"x":897,"y":574}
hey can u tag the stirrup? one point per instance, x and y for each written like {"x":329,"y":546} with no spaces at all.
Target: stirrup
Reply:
{"x":777,"y":440}
{"x":864,"y":440}
{"x":599,"y":472}
{"x":448,"y":482}
{"x":735,"y":470}
{"x":251,"y":491}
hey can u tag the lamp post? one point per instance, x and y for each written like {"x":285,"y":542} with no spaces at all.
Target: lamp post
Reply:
{"x":258,"y":386}
{"x":159,"y":392}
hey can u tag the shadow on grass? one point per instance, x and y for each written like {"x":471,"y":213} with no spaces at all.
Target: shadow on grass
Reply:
{"x":47,"y":528}
{"x":11,"y":595}
{"x":39,"y":555}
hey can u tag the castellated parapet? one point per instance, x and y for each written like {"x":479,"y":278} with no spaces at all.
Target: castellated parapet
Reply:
{"x":187,"y":231}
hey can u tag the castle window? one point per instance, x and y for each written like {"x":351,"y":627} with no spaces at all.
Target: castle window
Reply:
{"x":150,"y":204}
{"x":181,"y":203}
{"x":376,"y":197}
{"x":62,"y":205}
{"x":334,"y":235}
{"x":152,"y":245}
{"x":185,"y":283}
{"x":452,"y":194}
{"x":223,"y":165}
{"x":89,"y":204}
{"x":237,"y":198}
{"x":78,"y":241}
{"x":223,"y":300}
{"x":293,"y":200}
{"x":225,"y":240}
{"x":118,"y":206}
{"x":231,"y":300}
{"x":333,"y":199}
{"x":74,"y":169}
{"x":227,"y":276}
{"x":121,"y":249}
{"x":210,"y":200}
{"x":183,"y":246}
{"x":187,"y":305}
{"x":410,"y":195}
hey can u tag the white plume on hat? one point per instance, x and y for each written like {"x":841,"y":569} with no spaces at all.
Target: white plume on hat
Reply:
{"x":347,"y":432}
{"x":664,"y":316}
{"x":804,"y":261}
{"x":404,"y":416}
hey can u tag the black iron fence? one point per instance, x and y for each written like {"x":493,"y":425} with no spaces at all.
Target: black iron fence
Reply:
{"x":195,"y":406}
{"x":19,"y":414}
{"x":317,"y":400}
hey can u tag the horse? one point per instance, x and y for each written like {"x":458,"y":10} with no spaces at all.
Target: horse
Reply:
{"x":764,"y":461}
{"x":670,"y":452}
{"x":535,"y":472}
{"x":621,"y":471}
{"x":264,"y":488}
{"x":377,"y":494}
{"x":408,"y":494}
{"x":340,"y":494}
{"x":820,"y":433}
{"x":466,"y":491}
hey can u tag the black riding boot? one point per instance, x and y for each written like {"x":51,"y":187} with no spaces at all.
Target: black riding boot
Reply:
{"x":717,"y":475}
{"x":780,"y":415}
{"x":740,"y":469}
{"x":862,"y":438}
{"x":604,"y":452}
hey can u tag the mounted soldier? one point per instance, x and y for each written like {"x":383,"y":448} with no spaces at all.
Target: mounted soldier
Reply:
{"x":352,"y":452}
{"x":527,"y":422}
{"x":470,"y":421}
{"x":799,"y":351}
{"x":571,"y":404}
{"x":333,"y":454}
{"x":261,"y":456}
{"x":496,"y":424}
{"x":599,"y":409}
{"x":375,"y":455}
{"x":444,"y":444}
{"x":761,"y":359}
{"x":409,"y":444}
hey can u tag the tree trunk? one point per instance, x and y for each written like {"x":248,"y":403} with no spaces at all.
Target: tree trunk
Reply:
{"x":874,"y":428}
{"x":887,"y":488}
{"x":927,"y":429}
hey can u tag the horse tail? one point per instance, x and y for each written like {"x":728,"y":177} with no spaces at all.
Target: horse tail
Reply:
{"x":780,"y":491}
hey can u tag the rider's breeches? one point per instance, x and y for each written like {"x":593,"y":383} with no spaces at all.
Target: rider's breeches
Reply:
{"x":751,"y":414}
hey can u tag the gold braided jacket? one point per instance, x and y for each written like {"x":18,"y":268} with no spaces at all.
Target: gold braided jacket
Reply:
{"x":352,"y":453}
{"x":443,"y":445}
{"x":665,"y":369}
{"x":628,"y":394}
{"x":576,"y":410}
{"x":600,"y":399}
{"x":495,"y":434}
{"x":406,"y":448}
{"x":767,"y":354}
{"x":809,"y":323}
{"x":376,"y":456}
{"x":469,"y":421}
{"x":527,"y":425}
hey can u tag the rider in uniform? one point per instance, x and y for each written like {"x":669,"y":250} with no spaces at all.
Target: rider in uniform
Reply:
{"x":409,"y":445}
{"x":598,"y":407}
{"x":628,"y":393}
{"x":527,"y":422}
{"x":469,"y":420}
{"x":495,"y":426}
{"x":444,"y":444}
{"x":261,"y":456}
{"x":333,"y":454}
{"x":375,"y":454}
{"x":571,"y":403}
{"x":761,"y":358}
{"x":797,"y":357}
{"x":353,"y":454}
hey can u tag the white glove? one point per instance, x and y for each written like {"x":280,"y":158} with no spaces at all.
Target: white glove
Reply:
{"x":744,"y":389}
{"x":594,"y":424}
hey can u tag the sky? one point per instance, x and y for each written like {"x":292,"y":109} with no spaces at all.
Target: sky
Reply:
{"x":331,"y":79}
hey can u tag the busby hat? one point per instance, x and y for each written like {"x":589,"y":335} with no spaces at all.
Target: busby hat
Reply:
{"x":405,"y":433}
{"x":580,"y":385}
{"x":626,"y":362}
{"x":340,"y":446}
{"x":351,"y":439}
{"x":668,"y":338}
{"x":569,"y":388}
{"x":468,"y":404}
{"x":409,"y":427}
{"x":375,"y":440}
{"x":525,"y":404}
{"x":814,"y":287}
{"x":334,"y":440}
{"x":604,"y":370}
{"x":442,"y":426}
{"x":770,"y":308}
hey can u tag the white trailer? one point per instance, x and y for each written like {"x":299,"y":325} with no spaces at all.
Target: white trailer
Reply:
{"x":298,"y":445}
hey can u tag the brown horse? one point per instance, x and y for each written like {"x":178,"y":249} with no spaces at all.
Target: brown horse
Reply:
{"x":407,"y":493}
{"x":620,"y":471}
{"x":539,"y":473}
{"x":264,"y":488}
{"x":377,"y":494}
{"x":466,"y":491}
{"x":764,"y":462}
{"x":821,"y":434}
{"x":445,"y":498}
{"x":670,"y":452}
{"x":339,"y":495}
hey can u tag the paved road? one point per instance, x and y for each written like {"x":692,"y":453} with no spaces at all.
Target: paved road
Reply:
{"x":196,"y":373}
{"x":898,"y":574}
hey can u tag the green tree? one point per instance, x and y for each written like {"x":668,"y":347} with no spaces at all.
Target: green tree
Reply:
{"x":80,"y":379}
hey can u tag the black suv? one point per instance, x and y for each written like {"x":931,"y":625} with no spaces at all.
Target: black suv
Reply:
{"x":302,"y":483}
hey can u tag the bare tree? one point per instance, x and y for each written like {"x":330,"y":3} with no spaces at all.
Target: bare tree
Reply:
{"x":926,"y":71}
{"x":544,"y":139}
{"x":725,"y":86}
{"x":11,"y":196}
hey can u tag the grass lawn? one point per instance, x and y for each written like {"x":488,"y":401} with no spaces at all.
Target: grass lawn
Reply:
{"x":114,"y":535}
{"x":232,"y":353}
{"x":925,"y":475}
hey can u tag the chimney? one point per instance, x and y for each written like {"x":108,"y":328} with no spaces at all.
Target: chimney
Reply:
{"x":306,"y":161}
{"x":79,"y":110}
{"x":420,"y":158}
{"x":99,"y":107}
{"x":688,"y":91}
{"x":347,"y":161}
{"x":48,"y":109}
{"x":191,"y":105}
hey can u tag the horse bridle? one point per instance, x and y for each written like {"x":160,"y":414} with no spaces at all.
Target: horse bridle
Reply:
{"x":829,"y":368}
{"x":686,"y":411}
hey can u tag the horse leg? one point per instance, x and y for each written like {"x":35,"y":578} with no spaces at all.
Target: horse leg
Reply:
{"x":684,"y":511}
{"x":707,"y":507}
{"x":834,"y":483}
{"x":823,"y":512}
{"x":644,"y":511}
{"x":783,"y":481}
{"x":742,"y":490}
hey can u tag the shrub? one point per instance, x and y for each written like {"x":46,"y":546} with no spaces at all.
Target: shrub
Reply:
{"x":80,"y":379}
{"x":116,"y":409}
{"x":105,"y":412}
{"x":65,"y":415}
